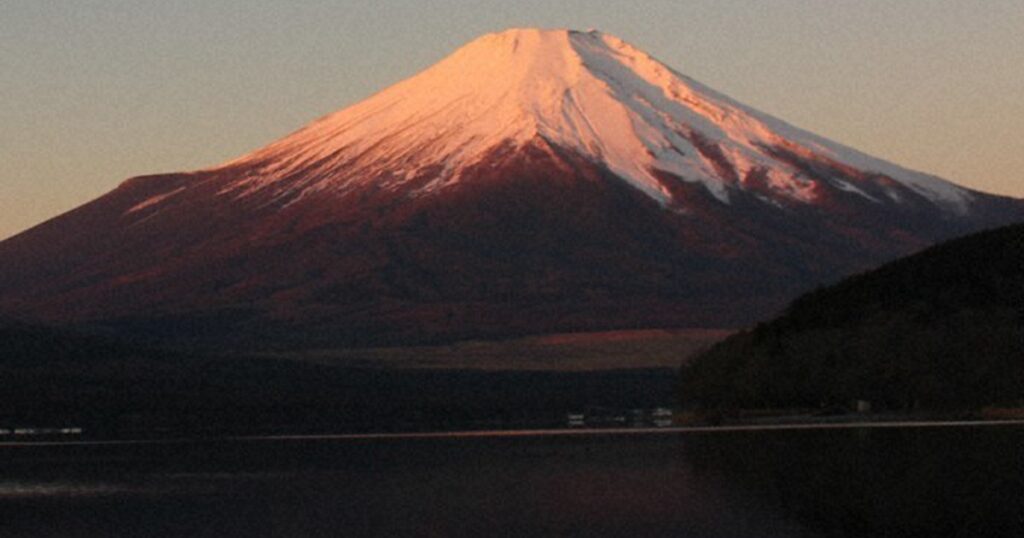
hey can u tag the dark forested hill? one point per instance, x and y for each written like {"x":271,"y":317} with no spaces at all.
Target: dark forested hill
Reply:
{"x":940,"y":329}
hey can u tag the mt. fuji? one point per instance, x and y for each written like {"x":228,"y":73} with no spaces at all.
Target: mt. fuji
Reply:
{"x":533,"y":181}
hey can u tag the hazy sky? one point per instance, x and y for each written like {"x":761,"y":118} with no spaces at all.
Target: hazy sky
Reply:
{"x":95,"y":91}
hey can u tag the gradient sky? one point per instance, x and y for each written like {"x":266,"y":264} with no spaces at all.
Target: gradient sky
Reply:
{"x":95,"y":91}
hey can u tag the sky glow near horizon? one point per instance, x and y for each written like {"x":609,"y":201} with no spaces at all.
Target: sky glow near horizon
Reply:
{"x":97,"y":91}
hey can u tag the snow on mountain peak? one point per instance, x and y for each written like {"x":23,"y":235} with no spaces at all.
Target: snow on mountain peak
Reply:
{"x":587,"y":91}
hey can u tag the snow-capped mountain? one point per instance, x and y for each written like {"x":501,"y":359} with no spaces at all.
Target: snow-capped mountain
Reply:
{"x":533,"y":181}
{"x":590,"y":93}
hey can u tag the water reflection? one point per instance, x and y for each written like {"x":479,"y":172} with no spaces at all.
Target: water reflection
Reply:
{"x":898,"y":482}
{"x":787,"y":484}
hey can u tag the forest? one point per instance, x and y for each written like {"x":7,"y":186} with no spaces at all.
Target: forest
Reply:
{"x":942,"y":329}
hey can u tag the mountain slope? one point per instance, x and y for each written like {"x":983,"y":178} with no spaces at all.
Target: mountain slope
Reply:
{"x":943,"y":328}
{"x":534,"y":181}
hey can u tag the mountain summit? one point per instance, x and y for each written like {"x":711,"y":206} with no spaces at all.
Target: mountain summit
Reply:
{"x":533,"y":181}
{"x":590,"y":93}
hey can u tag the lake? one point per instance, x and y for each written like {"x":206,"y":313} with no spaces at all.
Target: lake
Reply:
{"x":934,"y":481}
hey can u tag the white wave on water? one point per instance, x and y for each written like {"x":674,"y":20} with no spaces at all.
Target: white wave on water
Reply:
{"x":28,"y":489}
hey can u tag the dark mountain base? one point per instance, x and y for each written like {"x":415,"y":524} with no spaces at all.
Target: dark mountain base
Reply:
{"x":109,"y":389}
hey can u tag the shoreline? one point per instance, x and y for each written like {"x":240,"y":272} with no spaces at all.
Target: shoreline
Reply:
{"x":543,"y":432}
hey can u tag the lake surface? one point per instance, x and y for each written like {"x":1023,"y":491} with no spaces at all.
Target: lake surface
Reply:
{"x":949,"y":481}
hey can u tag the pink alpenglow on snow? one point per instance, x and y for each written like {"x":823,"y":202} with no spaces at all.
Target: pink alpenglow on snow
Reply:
{"x":590,"y":92}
